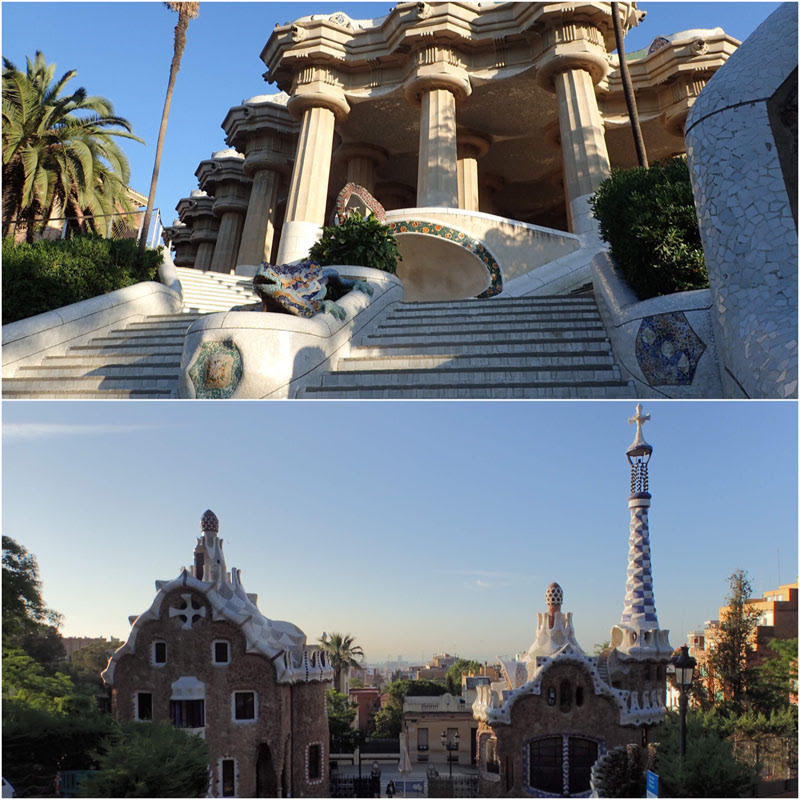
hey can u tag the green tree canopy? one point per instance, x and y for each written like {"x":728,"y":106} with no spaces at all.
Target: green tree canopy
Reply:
{"x":729,"y":660}
{"x":776,"y":677}
{"x":59,"y":151}
{"x":341,"y":713}
{"x":416,"y":688}
{"x":388,"y":722}
{"x":152,"y":760}
{"x":453,"y":675}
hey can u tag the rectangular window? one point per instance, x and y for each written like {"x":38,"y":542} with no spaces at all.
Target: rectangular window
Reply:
{"x":221,"y":652}
{"x":144,"y":706}
{"x":244,"y":705}
{"x":545,"y":765}
{"x":422,"y":739}
{"x":228,"y":778}
{"x":314,"y":762}
{"x":187,"y":713}
{"x":492,"y":760}
{"x":159,"y":652}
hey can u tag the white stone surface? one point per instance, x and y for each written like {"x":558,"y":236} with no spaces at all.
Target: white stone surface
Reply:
{"x":297,"y":238}
{"x":748,"y":232}
{"x":282,"y":353}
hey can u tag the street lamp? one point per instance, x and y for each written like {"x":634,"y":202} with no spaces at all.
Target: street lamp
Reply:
{"x":684,"y":667}
{"x":450,"y":745}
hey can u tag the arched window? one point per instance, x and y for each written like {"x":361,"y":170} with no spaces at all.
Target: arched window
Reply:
{"x":579,"y":695}
{"x":561,"y":765}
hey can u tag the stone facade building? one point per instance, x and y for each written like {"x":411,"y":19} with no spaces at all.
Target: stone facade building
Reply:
{"x":204,"y":657}
{"x":413,"y":106}
{"x":557,"y":710}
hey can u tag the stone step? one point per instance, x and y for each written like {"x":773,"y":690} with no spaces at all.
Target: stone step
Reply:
{"x":90,"y":350}
{"x":478,"y":376}
{"x":497,"y":391}
{"x":171,"y":358}
{"x":537,"y":347}
{"x":494,"y":360}
{"x":134,"y":372}
{"x":79,"y":394}
{"x":123,"y":338}
{"x":178,"y":325}
{"x":167,"y":383}
{"x":501,"y":302}
{"x":489,"y":310}
{"x":481,"y":336}
{"x":469,"y":322}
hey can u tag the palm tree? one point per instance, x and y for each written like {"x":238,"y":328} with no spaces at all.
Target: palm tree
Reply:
{"x":59,"y":153}
{"x":186,"y":12}
{"x":343,"y":654}
{"x":627,"y":88}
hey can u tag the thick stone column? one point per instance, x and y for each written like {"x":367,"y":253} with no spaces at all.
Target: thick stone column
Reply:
{"x":437,"y":82}
{"x":320,"y":102}
{"x":363,"y":161}
{"x":572,"y":61}
{"x":264,"y":130}
{"x":197,"y":211}
{"x":179,"y":236}
{"x":471,"y":147}
{"x":224,"y":175}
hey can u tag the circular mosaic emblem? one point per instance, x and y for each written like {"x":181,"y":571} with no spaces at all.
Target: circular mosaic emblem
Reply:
{"x":217,"y":370}
{"x":668,"y":350}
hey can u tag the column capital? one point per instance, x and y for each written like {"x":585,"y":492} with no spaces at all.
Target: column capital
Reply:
{"x":567,"y":46}
{"x":349,"y":150}
{"x":436,"y":67}
{"x":472,"y":144}
{"x":223,"y":174}
{"x":318,"y":87}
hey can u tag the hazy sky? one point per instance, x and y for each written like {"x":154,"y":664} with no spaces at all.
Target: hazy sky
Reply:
{"x":122,"y":51}
{"x":416,"y":527}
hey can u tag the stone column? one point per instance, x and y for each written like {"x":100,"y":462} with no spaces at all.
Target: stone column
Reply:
{"x":264,"y":130}
{"x":471,"y":147}
{"x":224,"y":175}
{"x":197,"y":211}
{"x":319,"y":101}
{"x":437,"y":82}
{"x":179,"y":236}
{"x":363,"y":160}
{"x":573,"y":60}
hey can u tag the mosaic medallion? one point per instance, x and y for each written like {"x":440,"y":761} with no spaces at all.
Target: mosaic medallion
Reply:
{"x":217,"y":370}
{"x":460,"y":238}
{"x":356,"y":198}
{"x":668,"y":350}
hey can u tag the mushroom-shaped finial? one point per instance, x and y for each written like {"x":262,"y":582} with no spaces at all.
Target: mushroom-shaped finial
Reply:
{"x":209,"y":522}
{"x":554,"y":597}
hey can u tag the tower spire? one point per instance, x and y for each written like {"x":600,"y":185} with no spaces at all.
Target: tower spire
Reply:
{"x":638,"y":632}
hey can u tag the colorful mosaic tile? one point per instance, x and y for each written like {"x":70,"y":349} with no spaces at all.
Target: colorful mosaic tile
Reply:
{"x":460,"y":238}
{"x":668,"y":350}
{"x":356,"y":198}
{"x":217,"y":370}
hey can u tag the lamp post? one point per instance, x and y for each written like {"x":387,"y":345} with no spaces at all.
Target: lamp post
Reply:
{"x":684,"y":667}
{"x":450,"y":745}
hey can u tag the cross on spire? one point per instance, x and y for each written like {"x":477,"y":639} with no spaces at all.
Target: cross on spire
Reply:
{"x":639,"y":419}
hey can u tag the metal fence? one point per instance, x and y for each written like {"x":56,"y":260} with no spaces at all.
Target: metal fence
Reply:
{"x":457,"y":786}
{"x":353,"y":786}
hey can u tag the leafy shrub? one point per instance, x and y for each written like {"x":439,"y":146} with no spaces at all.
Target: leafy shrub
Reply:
{"x":362,"y":241}
{"x":45,"y":275}
{"x":648,"y":218}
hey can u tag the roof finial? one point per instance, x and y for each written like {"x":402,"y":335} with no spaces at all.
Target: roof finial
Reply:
{"x":639,"y":446}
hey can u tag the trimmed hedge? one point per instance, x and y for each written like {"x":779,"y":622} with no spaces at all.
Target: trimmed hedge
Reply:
{"x":647,"y":216}
{"x":46,"y":275}
{"x":360,"y":241}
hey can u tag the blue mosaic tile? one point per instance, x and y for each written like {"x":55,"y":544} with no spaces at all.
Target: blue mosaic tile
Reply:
{"x":217,"y":370}
{"x":668,"y":350}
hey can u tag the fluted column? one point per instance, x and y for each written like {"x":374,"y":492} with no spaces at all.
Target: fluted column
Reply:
{"x":362,"y":162}
{"x":319,"y":101}
{"x":179,"y":236}
{"x":197,"y":211}
{"x":224,"y":175}
{"x":471,"y":147}
{"x":438,"y":80}
{"x":264,"y":130}
{"x":573,"y":60}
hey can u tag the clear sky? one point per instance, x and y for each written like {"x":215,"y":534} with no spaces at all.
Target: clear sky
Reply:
{"x":416,"y":527}
{"x":122,"y":51}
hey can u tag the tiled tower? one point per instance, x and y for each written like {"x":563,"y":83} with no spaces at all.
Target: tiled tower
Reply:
{"x":638,"y":634}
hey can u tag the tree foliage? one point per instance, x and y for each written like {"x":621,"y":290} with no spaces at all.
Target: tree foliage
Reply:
{"x":341,"y":713}
{"x":648,"y":218}
{"x":360,"y":241}
{"x":453,"y":675}
{"x":149,"y":760}
{"x":89,"y":661}
{"x":776,"y":677}
{"x":709,"y":768}
{"x":388,"y":722}
{"x":343,"y":653}
{"x":59,"y":151}
{"x":729,"y":659}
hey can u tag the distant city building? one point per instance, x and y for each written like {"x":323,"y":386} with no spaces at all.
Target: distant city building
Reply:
{"x":426,"y":718}
{"x":557,"y":710}
{"x":205,"y":658}
{"x":368,"y":700}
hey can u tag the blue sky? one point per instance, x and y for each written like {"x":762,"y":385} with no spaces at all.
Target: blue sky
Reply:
{"x":122,"y":51}
{"x":417,"y":527}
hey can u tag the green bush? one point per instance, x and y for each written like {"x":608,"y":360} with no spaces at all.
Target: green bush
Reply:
{"x":648,"y":218}
{"x":362,"y":241}
{"x":45,"y":275}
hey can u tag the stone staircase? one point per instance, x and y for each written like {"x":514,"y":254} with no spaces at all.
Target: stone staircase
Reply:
{"x":526,"y":347}
{"x":140,"y":359}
